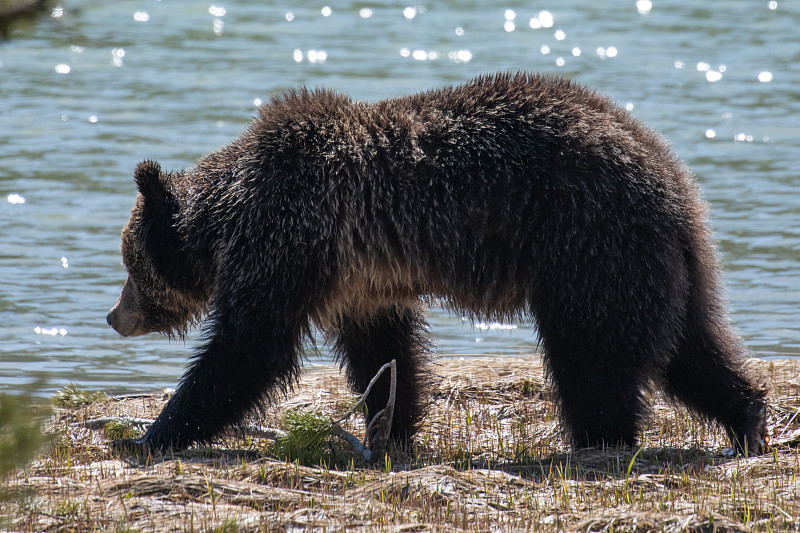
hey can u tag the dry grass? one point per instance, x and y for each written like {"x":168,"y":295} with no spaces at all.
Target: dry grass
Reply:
{"x":491,"y":457}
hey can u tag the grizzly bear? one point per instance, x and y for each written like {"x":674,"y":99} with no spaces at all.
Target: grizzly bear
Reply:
{"x":514,"y":196}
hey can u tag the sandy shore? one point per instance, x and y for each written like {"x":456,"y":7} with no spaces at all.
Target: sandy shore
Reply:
{"x":491,"y":456}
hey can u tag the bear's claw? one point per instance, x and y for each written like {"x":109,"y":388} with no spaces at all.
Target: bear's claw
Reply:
{"x":750,"y":438}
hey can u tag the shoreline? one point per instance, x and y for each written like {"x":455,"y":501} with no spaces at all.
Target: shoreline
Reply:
{"x":490,"y":455}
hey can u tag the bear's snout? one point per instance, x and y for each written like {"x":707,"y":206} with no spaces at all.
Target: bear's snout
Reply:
{"x":113,"y":320}
{"x":124,"y":317}
{"x":123,"y":327}
{"x":126,"y":324}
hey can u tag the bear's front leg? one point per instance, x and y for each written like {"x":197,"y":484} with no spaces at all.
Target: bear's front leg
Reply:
{"x":228,"y":376}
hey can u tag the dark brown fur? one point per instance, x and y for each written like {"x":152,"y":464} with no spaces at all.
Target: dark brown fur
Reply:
{"x":514,"y":196}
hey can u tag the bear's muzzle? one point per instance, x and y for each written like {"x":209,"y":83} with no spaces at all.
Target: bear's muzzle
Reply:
{"x":125,"y":317}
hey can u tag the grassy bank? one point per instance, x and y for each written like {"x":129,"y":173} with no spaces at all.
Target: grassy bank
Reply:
{"x":490,"y":457}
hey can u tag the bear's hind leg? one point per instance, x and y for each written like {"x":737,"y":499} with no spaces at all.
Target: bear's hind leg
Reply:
{"x":600,"y":399}
{"x":706,"y":370}
{"x":603,"y":342}
{"x":364,"y":345}
{"x":707,"y":376}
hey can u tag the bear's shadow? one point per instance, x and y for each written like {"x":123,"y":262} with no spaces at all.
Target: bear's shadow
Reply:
{"x":592,"y":464}
{"x":597,"y":464}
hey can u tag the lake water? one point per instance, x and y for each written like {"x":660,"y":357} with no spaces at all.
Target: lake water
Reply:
{"x":92,"y":88}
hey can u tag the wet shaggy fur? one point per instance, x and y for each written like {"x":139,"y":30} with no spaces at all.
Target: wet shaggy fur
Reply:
{"x":513,"y":196}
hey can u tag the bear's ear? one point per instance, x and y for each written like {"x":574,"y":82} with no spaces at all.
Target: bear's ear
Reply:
{"x":153,"y":185}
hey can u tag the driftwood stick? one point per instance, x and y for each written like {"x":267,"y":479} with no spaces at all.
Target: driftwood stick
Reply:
{"x":351,"y":439}
{"x":100,"y":423}
{"x":363,"y":397}
{"x":380,"y":427}
{"x":263,"y":432}
{"x":374,"y":422}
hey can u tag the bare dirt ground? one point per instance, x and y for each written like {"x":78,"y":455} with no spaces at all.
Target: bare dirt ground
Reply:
{"x":490,"y":457}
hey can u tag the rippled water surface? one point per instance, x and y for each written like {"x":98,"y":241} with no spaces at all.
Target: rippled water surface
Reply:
{"x":93,"y":87}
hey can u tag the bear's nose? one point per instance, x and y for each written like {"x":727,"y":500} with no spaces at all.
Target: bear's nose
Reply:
{"x":110,"y":318}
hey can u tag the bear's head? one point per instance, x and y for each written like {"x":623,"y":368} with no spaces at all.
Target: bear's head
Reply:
{"x":164,"y":291}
